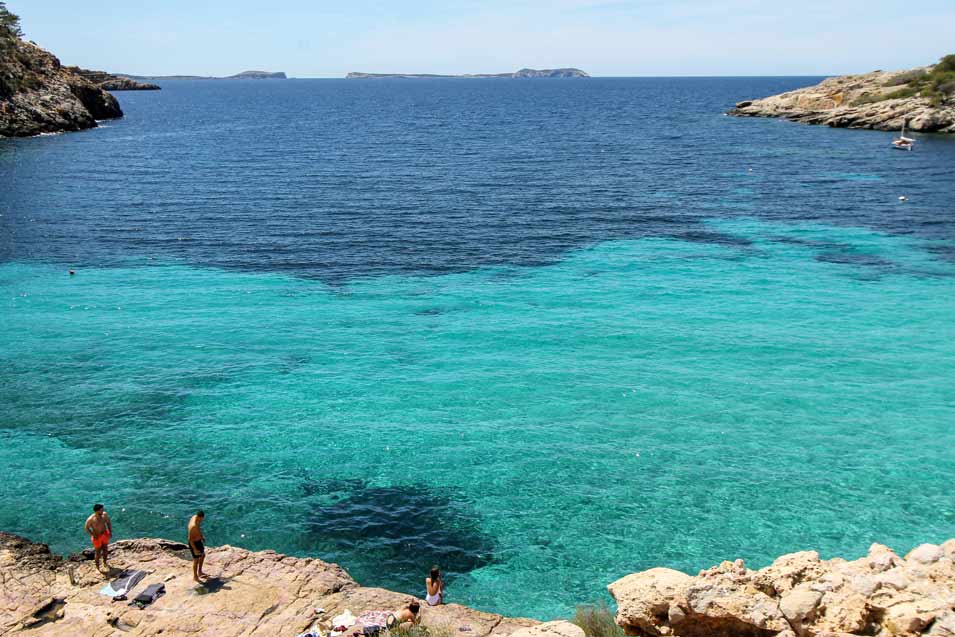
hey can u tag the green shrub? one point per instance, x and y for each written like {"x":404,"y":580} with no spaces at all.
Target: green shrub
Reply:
{"x":909,"y":76}
{"x":946,"y":64}
{"x":934,"y":85}
{"x":597,"y":621}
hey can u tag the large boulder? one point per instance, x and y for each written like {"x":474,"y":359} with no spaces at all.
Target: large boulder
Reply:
{"x":798,"y":595}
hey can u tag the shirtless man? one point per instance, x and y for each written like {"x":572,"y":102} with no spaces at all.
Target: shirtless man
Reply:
{"x":197,"y":546}
{"x":100,"y":528}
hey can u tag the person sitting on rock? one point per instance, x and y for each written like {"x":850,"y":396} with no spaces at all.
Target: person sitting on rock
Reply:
{"x":435,"y":587}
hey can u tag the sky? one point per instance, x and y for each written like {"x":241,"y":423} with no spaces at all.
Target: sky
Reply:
{"x":315,"y":38}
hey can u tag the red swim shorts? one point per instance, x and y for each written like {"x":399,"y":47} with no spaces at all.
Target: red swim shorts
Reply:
{"x":101,"y":540}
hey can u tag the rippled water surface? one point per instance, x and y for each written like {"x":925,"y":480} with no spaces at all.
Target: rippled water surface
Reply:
{"x":541,"y":333}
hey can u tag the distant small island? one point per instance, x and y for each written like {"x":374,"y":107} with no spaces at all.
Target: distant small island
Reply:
{"x":523,"y":73}
{"x":244,"y":75}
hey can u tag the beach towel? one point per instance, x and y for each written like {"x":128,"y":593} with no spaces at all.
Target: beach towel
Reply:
{"x":121,"y":586}
{"x":148,"y":596}
{"x":374,"y":618}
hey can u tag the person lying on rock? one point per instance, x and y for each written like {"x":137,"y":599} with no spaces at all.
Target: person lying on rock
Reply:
{"x":408,"y":616}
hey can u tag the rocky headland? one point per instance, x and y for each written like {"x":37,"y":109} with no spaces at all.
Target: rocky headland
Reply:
{"x":266,"y":593}
{"x":110,"y":82}
{"x":39,"y":95}
{"x":250,"y":594}
{"x":923,"y":99}
{"x":521,"y":74}
{"x":798,"y":595}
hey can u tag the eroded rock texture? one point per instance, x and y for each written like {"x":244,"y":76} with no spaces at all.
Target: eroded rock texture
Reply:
{"x":798,"y":595}
{"x":251,"y":594}
{"x":842,"y":102}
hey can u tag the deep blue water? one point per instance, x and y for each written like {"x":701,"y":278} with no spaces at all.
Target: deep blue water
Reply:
{"x":544,"y":333}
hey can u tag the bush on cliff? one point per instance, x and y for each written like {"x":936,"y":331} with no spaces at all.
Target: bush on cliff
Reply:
{"x":597,"y":621}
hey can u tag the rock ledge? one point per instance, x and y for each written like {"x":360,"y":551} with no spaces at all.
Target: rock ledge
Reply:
{"x":251,"y":594}
{"x":798,"y":595}
{"x":855,"y":101}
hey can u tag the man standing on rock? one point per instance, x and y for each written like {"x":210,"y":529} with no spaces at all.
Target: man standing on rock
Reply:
{"x":100,"y":529}
{"x":197,"y":546}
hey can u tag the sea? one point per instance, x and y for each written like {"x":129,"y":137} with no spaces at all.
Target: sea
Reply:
{"x":542,"y":334}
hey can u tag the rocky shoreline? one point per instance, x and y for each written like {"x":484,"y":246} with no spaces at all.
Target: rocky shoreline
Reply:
{"x":251,"y":593}
{"x":38,"y":95}
{"x":266,"y":593}
{"x":110,"y":82}
{"x":879,"y":100}
{"x":798,"y":595}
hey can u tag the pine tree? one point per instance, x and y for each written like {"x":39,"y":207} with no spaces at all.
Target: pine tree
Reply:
{"x":9,"y":24}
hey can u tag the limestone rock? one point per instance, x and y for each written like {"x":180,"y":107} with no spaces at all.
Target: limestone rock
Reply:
{"x":250,"y":594}
{"x":926,"y":554}
{"x":799,"y":606}
{"x":798,"y":595}
{"x":550,"y":629}
{"x":846,"y":102}
{"x":644,"y":599}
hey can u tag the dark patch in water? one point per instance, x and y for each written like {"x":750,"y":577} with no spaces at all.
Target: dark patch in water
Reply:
{"x":391,"y":535}
{"x":706,"y":236}
{"x":431,"y":311}
{"x":849,"y":258}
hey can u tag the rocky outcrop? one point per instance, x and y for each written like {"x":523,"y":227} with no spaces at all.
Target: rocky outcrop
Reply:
{"x":110,"y":82}
{"x":522,"y":74}
{"x":38,"y":95}
{"x":244,"y":75}
{"x":798,"y":595}
{"x":857,"y":101}
{"x":257,"y":75}
{"x":250,"y":594}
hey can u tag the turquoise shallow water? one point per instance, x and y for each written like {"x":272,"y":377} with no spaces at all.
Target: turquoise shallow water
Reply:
{"x":541,"y":430}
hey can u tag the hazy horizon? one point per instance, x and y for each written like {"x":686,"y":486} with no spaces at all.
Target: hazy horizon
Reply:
{"x":622,"y":38}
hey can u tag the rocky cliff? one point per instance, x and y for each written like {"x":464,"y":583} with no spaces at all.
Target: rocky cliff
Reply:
{"x":250,"y":594}
{"x":39,"y":95}
{"x":110,"y":82}
{"x":922,"y":98}
{"x":798,"y":595}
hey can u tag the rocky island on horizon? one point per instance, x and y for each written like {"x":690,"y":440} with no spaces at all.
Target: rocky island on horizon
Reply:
{"x":521,"y":74}
{"x":267,"y":593}
{"x":923,"y":99}
{"x":244,"y":75}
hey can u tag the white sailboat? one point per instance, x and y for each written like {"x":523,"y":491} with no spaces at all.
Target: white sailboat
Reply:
{"x":902,"y":142}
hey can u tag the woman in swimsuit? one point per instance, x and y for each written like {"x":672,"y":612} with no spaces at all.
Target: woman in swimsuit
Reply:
{"x":435,"y":584}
